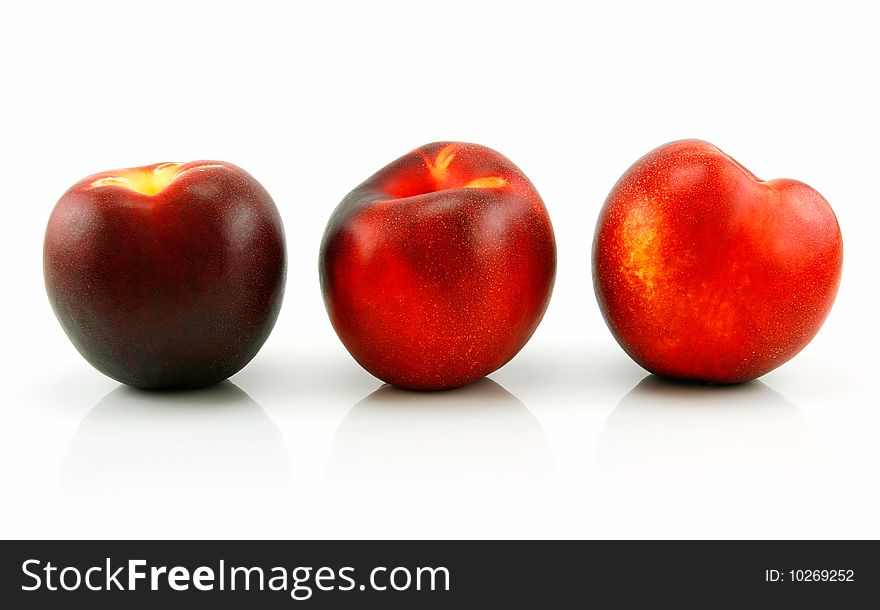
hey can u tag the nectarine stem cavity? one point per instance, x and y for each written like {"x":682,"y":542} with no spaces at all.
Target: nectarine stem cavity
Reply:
{"x":741,"y":167}
{"x":444,"y":179}
{"x":150,"y":180}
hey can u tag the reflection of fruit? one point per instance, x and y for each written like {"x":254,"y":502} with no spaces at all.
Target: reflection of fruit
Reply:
{"x":215,"y":443}
{"x":167,"y":275}
{"x":668,"y":430}
{"x":479,"y":436}
{"x":703,"y":271}
{"x":438,"y":269}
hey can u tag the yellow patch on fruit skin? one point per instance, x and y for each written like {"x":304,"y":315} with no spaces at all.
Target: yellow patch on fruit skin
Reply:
{"x":439,"y":169}
{"x":487,"y":182}
{"x":144,"y":180}
{"x":639,"y":237}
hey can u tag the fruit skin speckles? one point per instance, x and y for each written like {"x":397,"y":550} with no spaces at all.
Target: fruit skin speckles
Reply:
{"x":702,"y":271}
{"x":166,"y":281}
{"x":437,"y":270}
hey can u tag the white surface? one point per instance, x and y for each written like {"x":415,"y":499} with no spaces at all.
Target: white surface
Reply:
{"x":311,"y":98}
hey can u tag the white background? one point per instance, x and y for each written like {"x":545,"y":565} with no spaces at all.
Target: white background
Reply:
{"x":312,"y":98}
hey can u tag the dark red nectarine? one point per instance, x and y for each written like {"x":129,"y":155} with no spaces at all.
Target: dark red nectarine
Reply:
{"x":169,"y":275}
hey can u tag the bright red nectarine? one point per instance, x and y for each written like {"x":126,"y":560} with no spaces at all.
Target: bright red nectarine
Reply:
{"x":438,"y":269}
{"x":705,"y":272}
